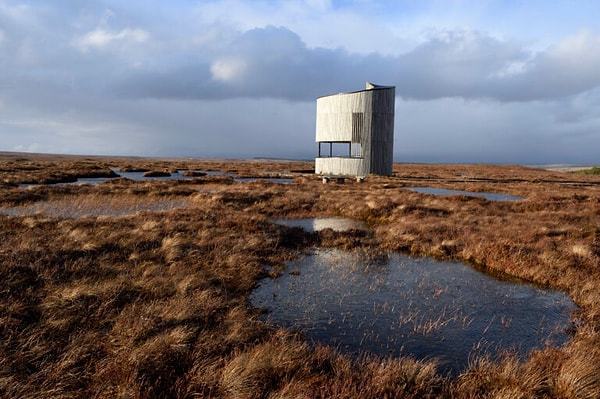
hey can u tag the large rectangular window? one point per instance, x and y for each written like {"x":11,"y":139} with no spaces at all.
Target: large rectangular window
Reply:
{"x":339,"y":149}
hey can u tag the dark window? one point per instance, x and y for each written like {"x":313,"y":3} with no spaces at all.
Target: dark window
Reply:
{"x":339,"y":149}
{"x":358,"y":122}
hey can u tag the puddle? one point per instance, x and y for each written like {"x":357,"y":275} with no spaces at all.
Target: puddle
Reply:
{"x":280,"y":180}
{"x":139,"y":176}
{"x":397,"y":305}
{"x":95,"y":206}
{"x":443,"y":191}
{"x":178,"y":175}
{"x":318,"y":224}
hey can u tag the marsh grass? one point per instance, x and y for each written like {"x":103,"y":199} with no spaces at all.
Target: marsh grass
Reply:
{"x":154,"y":304}
{"x":96,"y":205}
{"x":592,"y":171}
{"x":423,"y":325}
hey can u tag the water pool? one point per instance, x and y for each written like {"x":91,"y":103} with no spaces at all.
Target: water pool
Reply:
{"x":394,"y":305}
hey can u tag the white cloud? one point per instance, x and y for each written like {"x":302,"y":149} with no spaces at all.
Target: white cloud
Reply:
{"x":578,"y":54}
{"x":358,"y":26}
{"x":229,"y":70}
{"x":18,"y":13}
{"x":101,"y":38}
{"x":511,"y":68}
{"x":568,"y":68}
{"x":275,"y":62}
{"x":319,"y":5}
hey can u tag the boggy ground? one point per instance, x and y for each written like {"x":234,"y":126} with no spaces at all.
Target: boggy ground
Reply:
{"x":154,"y":304}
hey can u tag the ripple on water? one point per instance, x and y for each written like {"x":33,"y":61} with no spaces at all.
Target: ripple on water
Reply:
{"x":397,"y":305}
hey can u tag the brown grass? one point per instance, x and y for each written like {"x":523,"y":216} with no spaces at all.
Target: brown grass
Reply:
{"x":153,"y":303}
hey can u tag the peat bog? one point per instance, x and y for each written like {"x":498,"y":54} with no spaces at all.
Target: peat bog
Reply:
{"x":156,"y":303}
{"x":394,"y":305}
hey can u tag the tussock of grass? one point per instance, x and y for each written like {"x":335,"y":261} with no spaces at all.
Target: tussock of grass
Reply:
{"x":154,"y":304}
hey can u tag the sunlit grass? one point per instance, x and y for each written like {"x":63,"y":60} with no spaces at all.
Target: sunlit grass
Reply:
{"x":153,"y":303}
{"x":592,"y":171}
{"x":97,"y":205}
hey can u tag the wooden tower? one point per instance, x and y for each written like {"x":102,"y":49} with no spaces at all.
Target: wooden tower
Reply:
{"x":355,"y":132}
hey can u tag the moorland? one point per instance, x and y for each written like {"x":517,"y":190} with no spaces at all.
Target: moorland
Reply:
{"x":143,"y":292}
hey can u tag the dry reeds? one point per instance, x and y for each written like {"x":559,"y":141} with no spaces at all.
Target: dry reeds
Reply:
{"x":152,"y":303}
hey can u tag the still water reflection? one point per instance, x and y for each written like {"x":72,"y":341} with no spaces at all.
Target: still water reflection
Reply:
{"x":177,"y":175}
{"x":398,"y":305}
{"x":318,"y":224}
{"x":443,"y":191}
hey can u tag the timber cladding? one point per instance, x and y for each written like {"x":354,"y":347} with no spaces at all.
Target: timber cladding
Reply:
{"x":364,"y":122}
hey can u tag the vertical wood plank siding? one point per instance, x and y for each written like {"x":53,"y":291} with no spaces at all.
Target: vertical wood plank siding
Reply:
{"x":365,"y":117}
{"x":334,"y":115}
{"x":337,"y":166}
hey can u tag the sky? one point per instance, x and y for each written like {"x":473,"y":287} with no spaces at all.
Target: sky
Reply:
{"x":477,"y":81}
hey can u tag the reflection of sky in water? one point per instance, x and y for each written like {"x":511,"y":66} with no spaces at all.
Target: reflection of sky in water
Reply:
{"x":395,"y":304}
{"x":280,"y":180}
{"x":178,"y":175}
{"x":443,"y":191}
{"x":318,"y":224}
{"x":139,"y":176}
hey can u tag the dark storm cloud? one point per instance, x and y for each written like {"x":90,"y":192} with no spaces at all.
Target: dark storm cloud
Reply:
{"x":274,"y":62}
{"x":139,"y":61}
{"x":179,"y":77}
{"x":267,"y":62}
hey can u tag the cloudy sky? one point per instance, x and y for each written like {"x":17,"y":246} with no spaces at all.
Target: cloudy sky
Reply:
{"x":495,"y":81}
